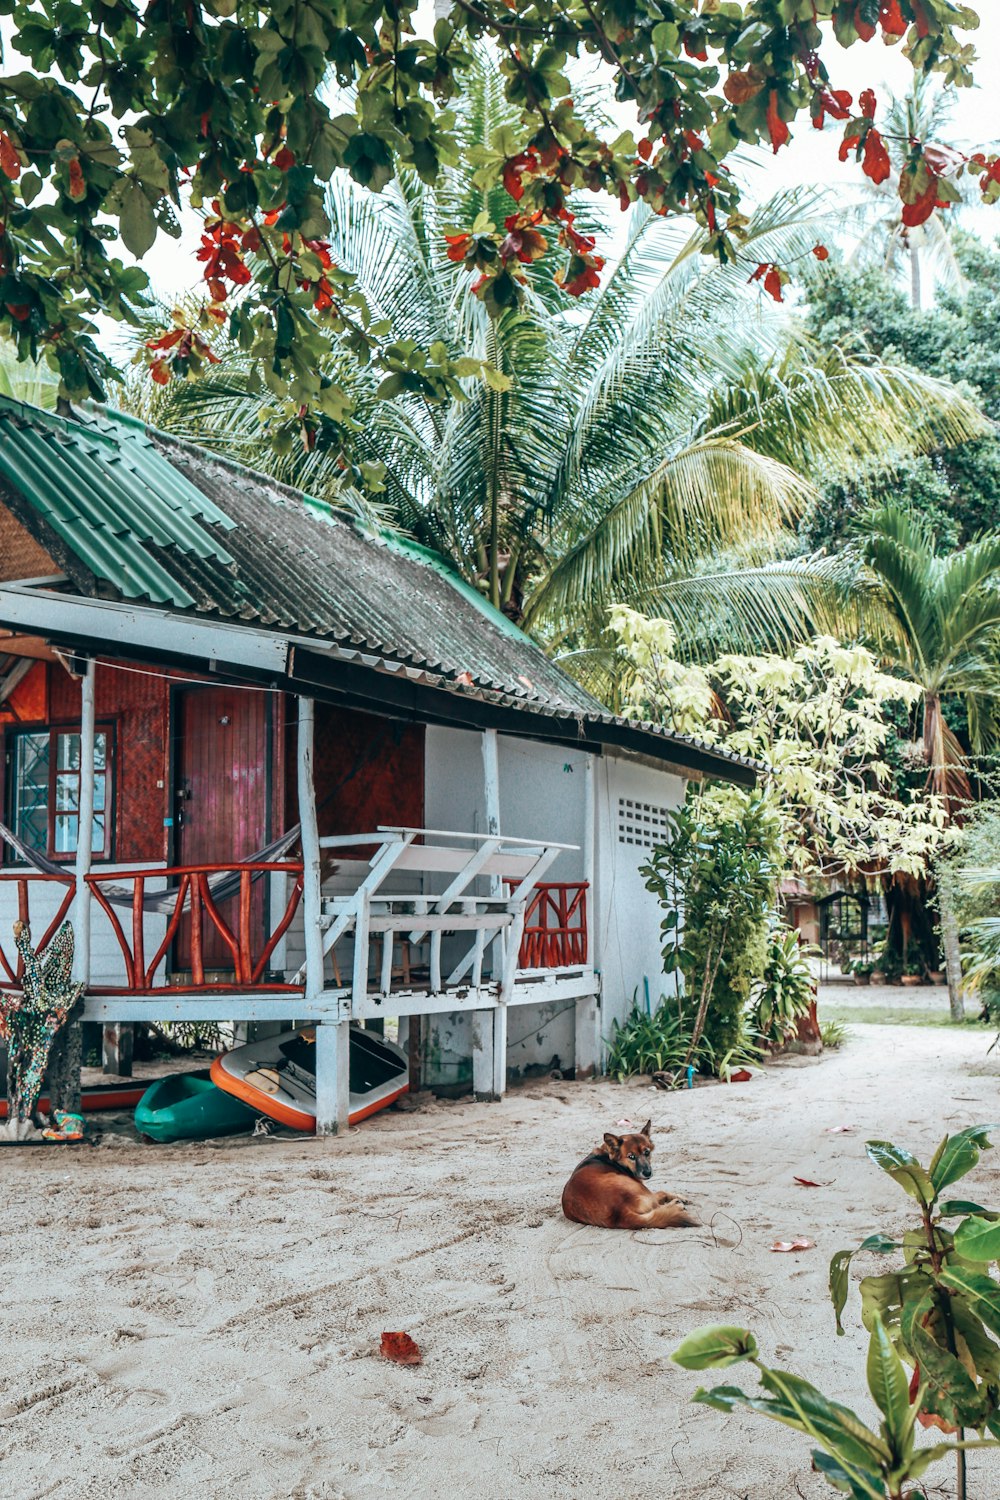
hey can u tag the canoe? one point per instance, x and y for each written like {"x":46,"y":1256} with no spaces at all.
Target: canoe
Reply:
{"x":277,"y":1075}
{"x":189,"y":1107}
{"x":97,"y":1096}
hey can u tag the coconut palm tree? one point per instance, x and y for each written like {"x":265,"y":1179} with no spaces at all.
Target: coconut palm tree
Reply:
{"x":673,"y":415}
{"x":942,"y":628}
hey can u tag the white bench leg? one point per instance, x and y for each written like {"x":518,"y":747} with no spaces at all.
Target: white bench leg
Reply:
{"x":333,"y":1052}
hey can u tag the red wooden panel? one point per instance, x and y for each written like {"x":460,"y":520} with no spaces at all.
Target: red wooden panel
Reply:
{"x":221,"y":793}
{"x":368,"y":770}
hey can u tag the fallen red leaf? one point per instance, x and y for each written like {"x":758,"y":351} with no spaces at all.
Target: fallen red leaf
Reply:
{"x":742,"y":1075}
{"x":400,"y":1348}
{"x":786,"y":1247}
{"x":807,"y":1182}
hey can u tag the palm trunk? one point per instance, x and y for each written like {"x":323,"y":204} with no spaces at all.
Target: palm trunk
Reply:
{"x":952,"y":953}
{"x":915,"y":278}
{"x":934,"y":752}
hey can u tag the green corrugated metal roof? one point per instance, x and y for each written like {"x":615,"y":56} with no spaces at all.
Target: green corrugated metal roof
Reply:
{"x":106,"y":490}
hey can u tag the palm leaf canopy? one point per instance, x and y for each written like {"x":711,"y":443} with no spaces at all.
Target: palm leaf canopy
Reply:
{"x":673,"y":414}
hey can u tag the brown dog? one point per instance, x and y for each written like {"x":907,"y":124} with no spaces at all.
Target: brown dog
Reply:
{"x":606,"y":1188}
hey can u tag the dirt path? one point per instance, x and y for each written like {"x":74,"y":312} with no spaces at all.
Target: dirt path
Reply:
{"x":204,"y":1321}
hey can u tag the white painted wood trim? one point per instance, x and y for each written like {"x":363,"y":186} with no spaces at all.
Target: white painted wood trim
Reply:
{"x":312,"y":909}
{"x":85,"y":831}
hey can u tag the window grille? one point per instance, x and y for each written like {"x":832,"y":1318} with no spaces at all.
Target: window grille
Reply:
{"x":642,"y":824}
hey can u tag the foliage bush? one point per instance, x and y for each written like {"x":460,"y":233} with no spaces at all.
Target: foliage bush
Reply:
{"x":721,"y":873}
{"x":785,"y":992}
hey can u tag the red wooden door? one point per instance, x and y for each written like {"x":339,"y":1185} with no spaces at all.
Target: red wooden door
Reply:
{"x":221,"y":789}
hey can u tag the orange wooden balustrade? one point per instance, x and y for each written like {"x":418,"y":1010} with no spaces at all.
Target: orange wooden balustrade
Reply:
{"x":555,"y":927}
{"x":245,"y":939}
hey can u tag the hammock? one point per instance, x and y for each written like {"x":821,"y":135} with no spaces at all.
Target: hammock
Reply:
{"x":221,"y":885}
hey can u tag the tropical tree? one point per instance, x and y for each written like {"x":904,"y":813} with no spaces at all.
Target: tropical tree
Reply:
{"x":623,"y":444}
{"x":942,"y":628}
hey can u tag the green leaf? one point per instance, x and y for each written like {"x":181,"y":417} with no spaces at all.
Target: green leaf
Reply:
{"x":981,"y":1292}
{"x":715,"y":1346}
{"x":837,"y":1476}
{"x":978,"y":1239}
{"x":949,"y":1384}
{"x":922,"y":1460}
{"x":902,"y":1168}
{"x":839,"y":1267}
{"x":138,"y":224}
{"x":889,"y":1387}
{"x":958,"y":1154}
{"x":954,"y":1207}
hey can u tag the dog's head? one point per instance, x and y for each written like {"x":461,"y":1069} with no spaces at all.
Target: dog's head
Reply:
{"x":631,"y":1151}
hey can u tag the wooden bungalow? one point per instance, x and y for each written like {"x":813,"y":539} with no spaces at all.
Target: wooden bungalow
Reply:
{"x":278,"y":766}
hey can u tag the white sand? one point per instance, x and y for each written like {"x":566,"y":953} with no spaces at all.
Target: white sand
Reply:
{"x":205,"y":1321}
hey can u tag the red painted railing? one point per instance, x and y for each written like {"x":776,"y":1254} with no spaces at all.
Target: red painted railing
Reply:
{"x":247,"y":944}
{"x":555,"y":927}
{"x":12,"y":964}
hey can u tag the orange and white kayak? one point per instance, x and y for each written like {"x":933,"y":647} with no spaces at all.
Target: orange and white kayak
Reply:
{"x":277,"y":1075}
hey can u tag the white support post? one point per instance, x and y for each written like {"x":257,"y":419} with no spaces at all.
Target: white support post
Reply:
{"x":332,"y":1037}
{"x":587,"y":1051}
{"x":85,"y":835}
{"x":489,"y":1028}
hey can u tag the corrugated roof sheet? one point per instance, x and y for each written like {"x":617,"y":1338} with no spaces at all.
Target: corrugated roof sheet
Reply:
{"x":154,"y":518}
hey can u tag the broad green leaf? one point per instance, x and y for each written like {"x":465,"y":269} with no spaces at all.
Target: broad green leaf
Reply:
{"x":978,"y":1239}
{"x":860,"y":1488}
{"x":958,"y":1154}
{"x":837,"y":1427}
{"x":138,"y":223}
{"x":902,"y":1168}
{"x":889,"y":1386}
{"x":981,"y":1293}
{"x":839,"y":1267}
{"x":818,"y":1418}
{"x":954,"y":1207}
{"x":714,"y":1347}
{"x":948,"y":1382}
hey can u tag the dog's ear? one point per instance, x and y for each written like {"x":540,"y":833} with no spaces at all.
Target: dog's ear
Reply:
{"x":613,"y":1142}
{"x":647,"y":1129}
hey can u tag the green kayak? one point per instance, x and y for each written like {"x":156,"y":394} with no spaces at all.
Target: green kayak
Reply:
{"x":188,"y":1107}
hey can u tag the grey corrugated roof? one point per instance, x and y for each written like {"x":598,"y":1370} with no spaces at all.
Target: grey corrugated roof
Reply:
{"x":150,"y":517}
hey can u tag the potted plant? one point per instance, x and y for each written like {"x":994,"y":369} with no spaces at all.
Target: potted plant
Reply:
{"x":863,"y":968}
{"x":913,"y":971}
{"x":936,"y":976}
{"x":891,"y":966}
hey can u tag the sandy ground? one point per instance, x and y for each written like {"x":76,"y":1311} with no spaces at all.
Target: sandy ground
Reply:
{"x":205,"y":1320}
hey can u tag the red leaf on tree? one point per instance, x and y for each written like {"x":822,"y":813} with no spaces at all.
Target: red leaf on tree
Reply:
{"x":19,"y":310}
{"x":920,"y":18}
{"x":847,"y":145}
{"x":645,"y":148}
{"x":694,"y":46}
{"x":284,"y":159}
{"x":891,"y":18}
{"x":864,"y":29}
{"x":160,"y":371}
{"x":77,"y":185}
{"x":777,"y":128}
{"x":833,"y":102}
{"x":772,"y":284}
{"x":9,"y":160}
{"x":876,"y":163}
{"x":512,"y":170}
{"x":821,"y":252}
{"x":459,"y":246}
{"x":921,"y":209}
{"x":760,"y":271}
{"x":400,"y":1348}
{"x":866,"y":103}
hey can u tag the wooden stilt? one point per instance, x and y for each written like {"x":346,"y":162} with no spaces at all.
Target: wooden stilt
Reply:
{"x":332,"y":1077}
{"x":332,"y":1037}
{"x":117,"y":1043}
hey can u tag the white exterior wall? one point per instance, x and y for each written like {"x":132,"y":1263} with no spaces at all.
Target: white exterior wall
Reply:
{"x":541,"y":797}
{"x":626,"y":915}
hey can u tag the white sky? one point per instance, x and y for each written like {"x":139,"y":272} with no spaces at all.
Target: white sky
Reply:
{"x":809,"y":158}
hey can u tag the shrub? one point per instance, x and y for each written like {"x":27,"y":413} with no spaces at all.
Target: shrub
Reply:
{"x":785,"y":991}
